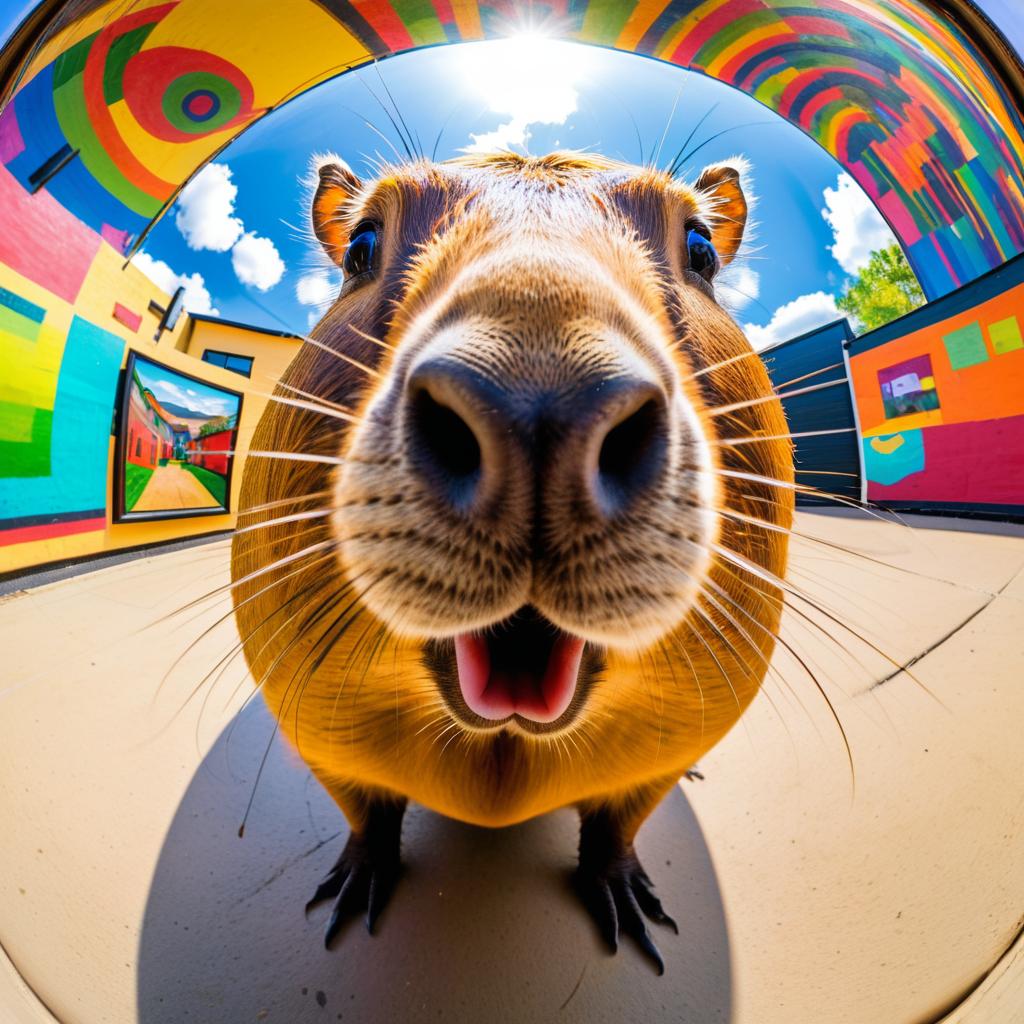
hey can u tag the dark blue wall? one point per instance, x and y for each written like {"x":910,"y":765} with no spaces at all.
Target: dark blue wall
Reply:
{"x":814,"y":359}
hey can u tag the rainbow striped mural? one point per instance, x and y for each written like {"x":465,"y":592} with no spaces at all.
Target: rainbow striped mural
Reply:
{"x":892,"y":88}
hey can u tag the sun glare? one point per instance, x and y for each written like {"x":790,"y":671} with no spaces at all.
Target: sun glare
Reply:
{"x":529,"y":78}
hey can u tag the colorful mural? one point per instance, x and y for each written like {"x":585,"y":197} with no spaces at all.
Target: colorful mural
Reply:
{"x":894,"y":89}
{"x":41,"y":240}
{"x":60,"y":362}
{"x":138,"y":106}
{"x":939,"y":398}
{"x":56,"y":396}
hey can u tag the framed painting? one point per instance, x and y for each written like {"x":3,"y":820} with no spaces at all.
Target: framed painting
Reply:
{"x":175,"y":444}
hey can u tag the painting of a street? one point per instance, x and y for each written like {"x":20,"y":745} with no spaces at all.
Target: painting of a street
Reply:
{"x":176,"y":442}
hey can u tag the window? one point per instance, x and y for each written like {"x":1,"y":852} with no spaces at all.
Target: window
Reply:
{"x":236,"y":364}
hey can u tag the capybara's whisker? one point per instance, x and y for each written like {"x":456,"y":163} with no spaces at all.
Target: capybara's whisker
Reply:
{"x":736,"y":441}
{"x":249,"y":577}
{"x":788,"y":588}
{"x":677,"y":161}
{"x":342,"y":356}
{"x":812,"y":675}
{"x":806,"y":489}
{"x":771,"y":636}
{"x":294,"y":517}
{"x":371,"y":338}
{"x":308,"y":591}
{"x":828,"y":472}
{"x":314,"y":397}
{"x":761,"y":399}
{"x":376,"y":131}
{"x":320,"y":460}
{"x":312,"y":616}
{"x":219,"y":621}
{"x":718,"y":664}
{"x":323,"y":609}
{"x":317,"y":407}
{"x":807,"y":376}
{"x":833,"y":546}
{"x":722,"y":364}
{"x":282,"y":502}
{"x":656,"y":157}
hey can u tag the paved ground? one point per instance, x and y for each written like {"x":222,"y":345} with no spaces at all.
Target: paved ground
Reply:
{"x":171,"y":486}
{"x":803,"y":894}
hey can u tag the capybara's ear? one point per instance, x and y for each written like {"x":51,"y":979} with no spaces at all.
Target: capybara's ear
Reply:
{"x":724,"y":206}
{"x":335,"y":186}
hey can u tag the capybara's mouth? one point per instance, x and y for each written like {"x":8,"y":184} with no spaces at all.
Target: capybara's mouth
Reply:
{"x":523,"y":668}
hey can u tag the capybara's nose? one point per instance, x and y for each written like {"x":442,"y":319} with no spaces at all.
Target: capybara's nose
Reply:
{"x":592,"y":448}
{"x":448,"y":432}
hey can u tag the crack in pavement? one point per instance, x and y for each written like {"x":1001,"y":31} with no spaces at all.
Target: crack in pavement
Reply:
{"x":938,"y":643}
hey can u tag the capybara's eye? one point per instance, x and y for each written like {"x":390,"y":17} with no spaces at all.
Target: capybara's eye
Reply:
{"x":361,"y":249}
{"x":702,"y":257}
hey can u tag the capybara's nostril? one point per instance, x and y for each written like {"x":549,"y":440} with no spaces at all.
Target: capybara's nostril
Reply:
{"x":444,"y":448}
{"x":631,"y":457}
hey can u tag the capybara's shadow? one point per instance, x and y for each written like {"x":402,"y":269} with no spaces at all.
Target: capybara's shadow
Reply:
{"x":482,"y":927}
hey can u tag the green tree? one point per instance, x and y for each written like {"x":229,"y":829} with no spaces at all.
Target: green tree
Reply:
{"x":885,"y":289}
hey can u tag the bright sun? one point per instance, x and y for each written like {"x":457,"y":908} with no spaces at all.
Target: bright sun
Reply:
{"x":529,"y":78}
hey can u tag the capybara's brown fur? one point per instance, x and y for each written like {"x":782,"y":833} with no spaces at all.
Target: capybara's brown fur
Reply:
{"x":516,"y":294}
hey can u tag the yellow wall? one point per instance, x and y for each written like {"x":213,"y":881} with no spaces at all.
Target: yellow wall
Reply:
{"x":271,"y":353}
{"x":109,"y":281}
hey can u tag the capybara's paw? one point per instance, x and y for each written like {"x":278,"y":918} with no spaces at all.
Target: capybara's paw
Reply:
{"x":618,"y":895}
{"x":362,"y":880}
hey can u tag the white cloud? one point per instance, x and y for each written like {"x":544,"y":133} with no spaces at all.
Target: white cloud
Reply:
{"x":197,"y":297}
{"x":316,"y":288}
{"x":205,"y":210}
{"x":505,"y":136}
{"x":795,"y":318}
{"x":256,"y":261}
{"x":530,"y":79}
{"x":857,"y":226}
{"x":205,"y":216}
{"x":737,"y":287}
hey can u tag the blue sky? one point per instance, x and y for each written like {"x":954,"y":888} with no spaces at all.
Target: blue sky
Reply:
{"x":238,"y":240}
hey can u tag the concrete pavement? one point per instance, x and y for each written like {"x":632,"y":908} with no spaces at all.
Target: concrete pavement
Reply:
{"x":803,"y":893}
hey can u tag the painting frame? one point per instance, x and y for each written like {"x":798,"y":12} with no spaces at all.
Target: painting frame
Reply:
{"x":120,"y":512}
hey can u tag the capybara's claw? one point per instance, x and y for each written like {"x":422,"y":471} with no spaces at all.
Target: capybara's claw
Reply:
{"x":618,"y":895}
{"x":362,"y":880}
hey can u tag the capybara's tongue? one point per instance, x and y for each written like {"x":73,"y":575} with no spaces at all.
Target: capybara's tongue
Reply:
{"x":497,"y":680}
